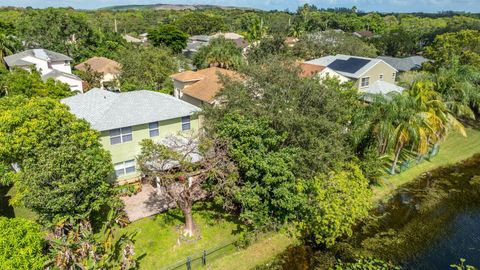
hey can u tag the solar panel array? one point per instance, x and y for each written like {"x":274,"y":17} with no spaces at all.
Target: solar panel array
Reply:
{"x":351,"y":65}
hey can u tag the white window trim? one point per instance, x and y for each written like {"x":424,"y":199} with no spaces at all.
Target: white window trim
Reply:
{"x":189,"y":123}
{"x":367,"y":80}
{"x":157,"y":129}
{"x":123,"y":166}
{"x":121,"y":135}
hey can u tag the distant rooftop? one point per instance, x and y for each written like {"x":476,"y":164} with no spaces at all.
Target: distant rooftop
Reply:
{"x":47,"y":55}
{"x":405,"y":64}
{"x":346,"y":65}
{"x":100,"y":64}
{"x":106,"y":110}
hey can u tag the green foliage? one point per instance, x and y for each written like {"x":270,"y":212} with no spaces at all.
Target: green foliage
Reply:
{"x":30,"y":84}
{"x":464,"y":45}
{"x":220,"y":52}
{"x":462,"y":266}
{"x":266,"y":48}
{"x":147,"y":68}
{"x":366,"y":263}
{"x":21,"y":244}
{"x":336,"y":202}
{"x":397,"y":42}
{"x":267,"y":189}
{"x":314,"y":115}
{"x":199,"y":23}
{"x":330,"y":43}
{"x":60,"y":158}
{"x":66,"y":182}
{"x":170,"y":36}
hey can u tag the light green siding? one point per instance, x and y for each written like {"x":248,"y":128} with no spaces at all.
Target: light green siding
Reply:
{"x":381,"y":68}
{"x":130,"y":150}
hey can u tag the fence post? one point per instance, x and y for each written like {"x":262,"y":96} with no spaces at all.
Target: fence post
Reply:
{"x":204,"y":258}
{"x":189,"y":263}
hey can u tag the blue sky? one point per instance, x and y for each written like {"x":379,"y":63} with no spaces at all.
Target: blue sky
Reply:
{"x":367,"y":5}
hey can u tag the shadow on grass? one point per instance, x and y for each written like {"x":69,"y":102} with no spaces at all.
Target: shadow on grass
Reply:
{"x":5,"y":208}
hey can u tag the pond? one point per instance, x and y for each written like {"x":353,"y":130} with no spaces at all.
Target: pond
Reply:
{"x":429,"y":224}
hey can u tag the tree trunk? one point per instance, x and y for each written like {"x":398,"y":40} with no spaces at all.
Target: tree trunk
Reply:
{"x":189,"y":224}
{"x":397,"y":155}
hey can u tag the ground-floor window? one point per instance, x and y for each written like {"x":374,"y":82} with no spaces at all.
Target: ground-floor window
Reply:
{"x":125,"y":167}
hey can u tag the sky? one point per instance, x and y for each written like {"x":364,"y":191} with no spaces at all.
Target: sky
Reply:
{"x":365,"y":5}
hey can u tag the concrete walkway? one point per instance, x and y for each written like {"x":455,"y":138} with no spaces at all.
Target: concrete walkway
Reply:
{"x":145,"y":203}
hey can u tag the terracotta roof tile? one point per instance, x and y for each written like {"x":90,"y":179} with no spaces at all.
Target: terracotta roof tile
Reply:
{"x":100,"y":64}
{"x":208,"y":82}
{"x":309,"y":70}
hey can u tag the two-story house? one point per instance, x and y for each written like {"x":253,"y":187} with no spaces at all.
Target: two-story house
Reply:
{"x":370,"y":76}
{"x":202,"y":86}
{"x":50,"y":65}
{"x":125,"y":119}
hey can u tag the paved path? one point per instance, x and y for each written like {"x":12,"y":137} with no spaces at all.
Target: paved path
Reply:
{"x":145,"y":203}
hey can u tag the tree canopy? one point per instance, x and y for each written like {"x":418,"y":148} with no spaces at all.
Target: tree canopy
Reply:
{"x":170,"y":36}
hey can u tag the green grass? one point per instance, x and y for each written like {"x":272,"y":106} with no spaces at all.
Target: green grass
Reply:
{"x":261,"y":252}
{"x":13,"y":211}
{"x":157,"y":239}
{"x":455,"y":149}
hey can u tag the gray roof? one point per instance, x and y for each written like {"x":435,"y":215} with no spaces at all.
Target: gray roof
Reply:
{"x":17,"y":59}
{"x":405,"y":64}
{"x":202,"y":38}
{"x":106,"y":110}
{"x":328,"y":60}
{"x":56,"y":73}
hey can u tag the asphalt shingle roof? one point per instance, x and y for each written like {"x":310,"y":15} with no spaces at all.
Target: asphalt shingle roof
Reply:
{"x":17,"y":59}
{"x":405,"y":64}
{"x":106,"y":110}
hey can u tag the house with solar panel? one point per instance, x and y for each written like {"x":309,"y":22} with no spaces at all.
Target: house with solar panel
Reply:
{"x":370,"y":75}
{"x":125,"y":119}
{"x":50,"y":65}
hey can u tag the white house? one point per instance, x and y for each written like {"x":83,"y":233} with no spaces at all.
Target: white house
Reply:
{"x":49,"y":64}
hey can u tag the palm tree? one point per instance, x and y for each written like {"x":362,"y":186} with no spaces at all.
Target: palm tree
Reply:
{"x":7,"y":46}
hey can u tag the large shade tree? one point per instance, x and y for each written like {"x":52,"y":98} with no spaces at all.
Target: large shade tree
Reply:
{"x":181,"y":165}
{"x":170,"y":36}
{"x":40,"y":146}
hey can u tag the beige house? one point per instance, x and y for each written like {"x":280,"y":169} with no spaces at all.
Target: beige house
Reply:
{"x":200,"y":87}
{"x":373,"y":76}
{"x":109,"y":68}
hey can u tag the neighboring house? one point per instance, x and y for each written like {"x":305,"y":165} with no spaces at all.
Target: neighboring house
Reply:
{"x":109,"y":68}
{"x":321,"y":72}
{"x":363,"y":34}
{"x":405,"y":64}
{"x":125,"y":119}
{"x":132,"y":39}
{"x":200,"y":87}
{"x":364,"y":71}
{"x":194,"y":43}
{"x":50,"y":65}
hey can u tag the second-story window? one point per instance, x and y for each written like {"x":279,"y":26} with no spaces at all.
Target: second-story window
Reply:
{"x":365,"y":81}
{"x":121,"y":135}
{"x":154,"y":131}
{"x":185,"y":123}
{"x":393,"y":75}
{"x":381,"y":77}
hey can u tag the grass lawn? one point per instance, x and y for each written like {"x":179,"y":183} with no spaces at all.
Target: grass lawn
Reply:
{"x":157,"y":240}
{"x":6,"y":193}
{"x":261,"y":252}
{"x":455,"y":149}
